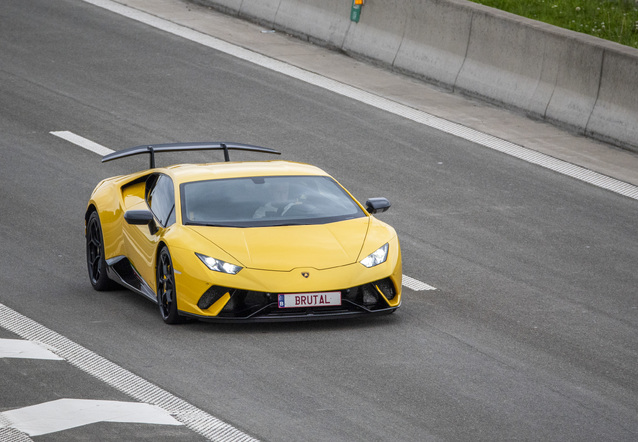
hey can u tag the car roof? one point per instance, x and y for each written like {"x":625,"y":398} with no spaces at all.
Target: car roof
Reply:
{"x":182,"y":173}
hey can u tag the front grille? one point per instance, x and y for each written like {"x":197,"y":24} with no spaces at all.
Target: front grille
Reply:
{"x":245,"y":304}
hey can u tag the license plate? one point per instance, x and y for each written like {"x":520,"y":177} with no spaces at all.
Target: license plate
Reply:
{"x":326,"y":299}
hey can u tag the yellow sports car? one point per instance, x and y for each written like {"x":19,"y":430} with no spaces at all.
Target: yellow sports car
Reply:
{"x":241,"y":241}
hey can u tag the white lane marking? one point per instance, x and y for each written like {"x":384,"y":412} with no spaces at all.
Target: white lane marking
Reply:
{"x":63,"y":414}
{"x":21,"y":349}
{"x":415,"y":284}
{"x":134,"y":386}
{"x":8,"y":434}
{"x":415,"y":115}
{"x":82,"y":142}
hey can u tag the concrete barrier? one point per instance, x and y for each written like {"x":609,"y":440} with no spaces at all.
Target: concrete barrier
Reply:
{"x":579,"y":82}
{"x":430,"y":50}
{"x":378,"y":35}
{"x":324,"y":22}
{"x":263,"y":11}
{"x":616,"y":108}
{"x":228,"y":6}
{"x":532,"y":67}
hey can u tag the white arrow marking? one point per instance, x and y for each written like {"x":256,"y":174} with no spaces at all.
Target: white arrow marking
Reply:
{"x":18,"y":348}
{"x":64,"y":414}
{"x":138,"y":388}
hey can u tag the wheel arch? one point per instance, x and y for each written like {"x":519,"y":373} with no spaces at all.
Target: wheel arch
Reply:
{"x":160,"y":245}
{"x":89,"y":210}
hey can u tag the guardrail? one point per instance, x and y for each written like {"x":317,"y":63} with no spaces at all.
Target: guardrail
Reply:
{"x":573,"y":80}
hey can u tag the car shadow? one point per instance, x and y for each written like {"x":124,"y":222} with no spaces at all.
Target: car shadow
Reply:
{"x":302,"y":326}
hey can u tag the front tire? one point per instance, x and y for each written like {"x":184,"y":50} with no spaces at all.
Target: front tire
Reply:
{"x":166,"y":293}
{"x":95,"y":261}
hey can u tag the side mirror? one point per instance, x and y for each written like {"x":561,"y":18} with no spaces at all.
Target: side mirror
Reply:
{"x":377,"y":205}
{"x":138,"y":217}
{"x":141,"y":218}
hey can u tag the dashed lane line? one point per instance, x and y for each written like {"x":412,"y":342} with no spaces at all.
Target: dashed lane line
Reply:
{"x":415,"y":284}
{"x":82,"y":142}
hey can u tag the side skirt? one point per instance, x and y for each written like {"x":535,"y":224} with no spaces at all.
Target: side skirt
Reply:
{"x":120,"y":270}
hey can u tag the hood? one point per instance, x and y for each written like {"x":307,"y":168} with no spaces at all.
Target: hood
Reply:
{"x":285,"y":248}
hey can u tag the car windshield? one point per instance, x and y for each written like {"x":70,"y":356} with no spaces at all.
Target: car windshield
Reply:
{"x":266,"y":201}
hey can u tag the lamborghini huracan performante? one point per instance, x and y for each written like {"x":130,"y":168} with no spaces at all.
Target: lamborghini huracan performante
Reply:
{"x":241,"y":241}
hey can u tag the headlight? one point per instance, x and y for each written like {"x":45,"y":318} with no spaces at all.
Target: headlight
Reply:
{"x":377,"y":257}
{"x":218,"y":265}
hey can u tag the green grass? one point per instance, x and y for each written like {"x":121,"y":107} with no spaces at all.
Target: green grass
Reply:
{"x":615,"y":20}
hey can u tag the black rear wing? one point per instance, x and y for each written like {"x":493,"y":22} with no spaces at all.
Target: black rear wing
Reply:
{"x":175,"y":147}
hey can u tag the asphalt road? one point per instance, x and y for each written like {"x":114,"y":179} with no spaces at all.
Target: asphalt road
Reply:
{"x":532,"y":333}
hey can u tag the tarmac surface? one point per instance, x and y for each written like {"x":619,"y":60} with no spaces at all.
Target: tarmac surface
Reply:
{"x":529,"y":334}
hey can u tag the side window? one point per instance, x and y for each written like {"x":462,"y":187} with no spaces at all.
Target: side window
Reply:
{"x":161,"y":200}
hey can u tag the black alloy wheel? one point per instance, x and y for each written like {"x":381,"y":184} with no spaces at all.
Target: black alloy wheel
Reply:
{"x":166,"y":294}
{"x":95,"y":255}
